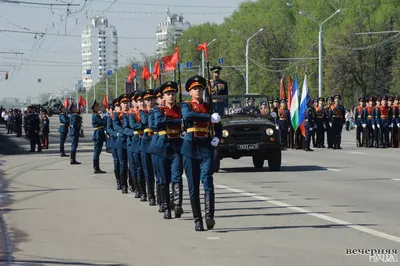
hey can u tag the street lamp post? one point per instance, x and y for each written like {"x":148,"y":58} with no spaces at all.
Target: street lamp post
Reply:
{"x":319,"y":43}
{"x":247,"y":53}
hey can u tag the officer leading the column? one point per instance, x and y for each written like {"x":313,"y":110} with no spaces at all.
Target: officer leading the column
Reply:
{"x":198,"y":150}
{"x":99,"y":136}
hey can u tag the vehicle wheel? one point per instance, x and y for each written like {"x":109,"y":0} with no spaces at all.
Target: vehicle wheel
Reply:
{"x":216,"y":162}
{"x":275,"y":160}
{"x":258,"y":161}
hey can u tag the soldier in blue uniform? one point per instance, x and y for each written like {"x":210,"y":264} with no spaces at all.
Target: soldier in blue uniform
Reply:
{"x":63,"y":129}
{"x":121,"y":141}
{"x":284,"y":121}
{"x":376,"y":126}
{"x":136,"y":125}
{"x":106,"y":117}
{"x":168,"y":149}
{"x":198,"y":150}
{"x":320,"y":123}
{"x":146,"y":119}
{"x":329,"y":130}
{"x":99,"y":136}
{"x":359,"y":122}
{"x":33,"y":129}
{"x":74,"y":132}
{"x":310,"y":122}
{"x":113,"y":138}
{"x":368,"y":122}
{"x":385,"y":116}
{"x":395,"y":122}
{"x":336,"y":119}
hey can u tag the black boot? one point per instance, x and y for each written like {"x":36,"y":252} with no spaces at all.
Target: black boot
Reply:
{"x":209,"y":204}
{"x":96,"y":167}
{"x":73,"y":158}
{"x":136,"y":186}
{"x":62,"y":151}
{"x":164,"y":189}
{"x":124,"y":184}
{"x":196,"y":210}
{"x":142,"y":189}
{"x":152,"y":198}
{"x":178,"y":194}
{"x":159,"y":203}
{"x":116,"y":173}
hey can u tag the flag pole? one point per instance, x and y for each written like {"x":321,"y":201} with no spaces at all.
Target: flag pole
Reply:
{"x":179,"y":82}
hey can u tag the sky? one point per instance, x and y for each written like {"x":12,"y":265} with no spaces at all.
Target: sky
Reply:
{"x":55,"y":57}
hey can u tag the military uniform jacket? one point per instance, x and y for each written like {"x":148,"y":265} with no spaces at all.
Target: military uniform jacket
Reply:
{"x":64,"y":123}
{"x":196,"y":145}
{"x":358,"y":115}
{"x":384,"y":115}
{"x":111,"y":132}
{"x":336,"y":114}
{"x":168,"y":123}
{"x":118,"y":127}
{"x":18,"y":120}
{"x":146,"y":118}
{"x":375,"y":115}
{"x":45,"y":125}
{"x":33,"y":123}
{"x":320,"y":119}
{"x":75,"y":125}
{"x":367,"y":116}
{"x":135,"y":124}
{"x":153,"y":127}
{"x":98,"y":124}
{"x":219,"y":87}
{"x":310,"y":121}
{"x":396,"y":119}
{"x":284,"y":118}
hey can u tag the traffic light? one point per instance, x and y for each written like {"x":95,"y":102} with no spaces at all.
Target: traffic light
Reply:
{"x":6,"y":75}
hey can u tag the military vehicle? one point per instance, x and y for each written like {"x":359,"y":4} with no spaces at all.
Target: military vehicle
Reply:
{"x":52,"y":106}
{"x":248,"y":131}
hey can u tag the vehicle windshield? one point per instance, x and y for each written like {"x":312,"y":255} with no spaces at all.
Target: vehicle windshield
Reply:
{"x":242,"y":105}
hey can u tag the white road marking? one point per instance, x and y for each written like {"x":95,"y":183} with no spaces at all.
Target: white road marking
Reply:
{"x":213,"y":238}
{"x":333,"y":170}
{"x":396,"y":179}
{"x":317,"y":215}
{"x":359,"y":153}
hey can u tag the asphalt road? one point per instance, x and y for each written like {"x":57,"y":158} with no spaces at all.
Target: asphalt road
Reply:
{"x":319,"y":205}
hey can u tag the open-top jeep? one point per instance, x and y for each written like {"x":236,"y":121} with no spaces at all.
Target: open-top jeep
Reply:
{"x":248,"y":130}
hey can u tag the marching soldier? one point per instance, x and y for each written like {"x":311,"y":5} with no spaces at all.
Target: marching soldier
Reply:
{"x":75,"y":128}
{"x":376,"y":126}
{"x":121,"y":141}
{"x":99,"y":136}
{"x":113,"y":138}
{"x":33,"y":122}
{"x":393,"y":103}
{"x":384,"y":115}
{"x":320,"y":122}
{"x":136,"y":125}
{"x":284,"y":122}
{"x":168,"y":149}
{"x":198,"y":151}
{"x":368,"y":122}
{"x":63,"y":129}
{"x":336,"y":118}
{"x":359,"y":122}
{"x":309,"y":124}
{"x":147,"y":164}
{"x":329,"y":130}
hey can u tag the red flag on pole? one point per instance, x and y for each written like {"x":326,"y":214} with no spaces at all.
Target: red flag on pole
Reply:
{"x":132,"y":74}
{"x":282,"y":88}
{"x":170,"y":61}
{"x":66,"y":102}
{"x":105,"y":101}
{"x":146,"y":75}
{"x":157,"y":70}
{"x":82,"y":101}
{"x":290,"y":91}
{"x":203,"y":47}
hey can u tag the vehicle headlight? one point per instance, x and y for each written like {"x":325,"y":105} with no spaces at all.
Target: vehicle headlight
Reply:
{"x":225,"y":133}
{"x":269,"y":131}
{"x":273,"y":114}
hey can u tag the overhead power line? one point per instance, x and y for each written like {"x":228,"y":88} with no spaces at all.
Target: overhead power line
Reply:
{"x":36,"y":3}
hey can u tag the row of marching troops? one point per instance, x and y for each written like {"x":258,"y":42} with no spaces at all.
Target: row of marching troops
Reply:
{"x":36,"y":126}
{"x":378,"y":122}
{"x":319,"y":118}
{"x":153,"y":139}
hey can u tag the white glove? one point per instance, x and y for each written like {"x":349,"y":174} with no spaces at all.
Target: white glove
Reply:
{"x":330,"y":124}
{"x":364,"y":125}
{"x":277,"y":127}
{"x":215,"y":141}
{"x":391,"y":125}
{"x":288,"y":130}
{"x":117,"y":134}
{"x":311,"y":129}
{"x":324,"y":126}
{"x":183,"y":134}
{"x":398,"y":124}
{"x":379,"y":126}
{"x":215,"y":118}
{"x":373,"y":126}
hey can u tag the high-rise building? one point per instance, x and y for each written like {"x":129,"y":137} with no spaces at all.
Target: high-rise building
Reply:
{"x":99,"y":50}
{"x":168,"y":31}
